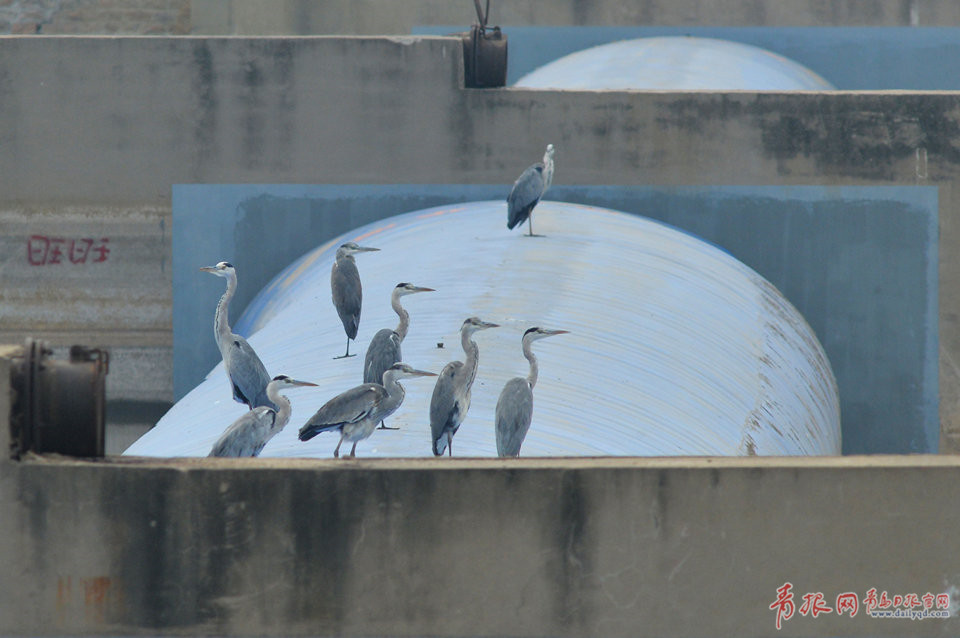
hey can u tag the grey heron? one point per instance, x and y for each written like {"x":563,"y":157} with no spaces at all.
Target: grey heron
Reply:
{"x":451,"y":395}
{"x":384,"y":348}
{"x":527,"y":191}
{"x":346,"y":290}
{"x":515,"y":405}
{"x":356,"y":412}
{"x":247,"y":435}
{"x":248,"y":375}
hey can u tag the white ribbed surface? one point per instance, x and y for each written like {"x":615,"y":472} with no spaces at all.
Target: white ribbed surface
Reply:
{"x":676,"y":348}
{"x":674,"y":63}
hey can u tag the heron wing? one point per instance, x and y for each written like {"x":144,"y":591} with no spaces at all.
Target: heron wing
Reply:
{"x":445,"y":405}
{"x":247,"y":435}
{"x":352,"y":406}
{"x":513,"y":415}
{"x":347,"y":295}
{"x":247,"y":374}
{"x":524,"y":195}
{"x":383,"y":352}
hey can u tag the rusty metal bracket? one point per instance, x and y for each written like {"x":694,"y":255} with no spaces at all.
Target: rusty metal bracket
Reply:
{"x":58,"y":405}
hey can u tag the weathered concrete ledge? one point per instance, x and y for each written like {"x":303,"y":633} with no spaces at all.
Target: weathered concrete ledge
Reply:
{"x":399,"y":16}
{"x":529,"y":547}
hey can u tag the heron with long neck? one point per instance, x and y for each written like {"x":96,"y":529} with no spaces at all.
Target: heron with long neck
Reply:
{"x":346,"y":290}
{"x":514,"y":410}
{"x":451,"y":395}
{"x":248,"y":376}
{"x":528,"y":190}
{"x":384,"y":349}
{"x":247,"y":435}
{"x":356,"y":412}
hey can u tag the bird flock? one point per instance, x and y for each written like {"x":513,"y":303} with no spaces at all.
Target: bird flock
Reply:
{"x":356,"y":413}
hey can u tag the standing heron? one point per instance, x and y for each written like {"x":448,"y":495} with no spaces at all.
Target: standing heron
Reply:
{"x":248,"y":376}
{"x":247,"y":435}
{"x":527,"y":191}
{"x":451,"y":395}
{"x":515,"y":405}
{"x":384,"y":348}
{"x":346,"y":290}
{"x":357,"y":411}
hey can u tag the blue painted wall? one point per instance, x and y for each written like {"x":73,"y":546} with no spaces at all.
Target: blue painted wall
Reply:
{"x":851,"y":58}
{"x":860,"y":263}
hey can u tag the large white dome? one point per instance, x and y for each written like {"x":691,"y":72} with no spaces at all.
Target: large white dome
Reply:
{"x":675,"y":347}
{"x":675,"y":63}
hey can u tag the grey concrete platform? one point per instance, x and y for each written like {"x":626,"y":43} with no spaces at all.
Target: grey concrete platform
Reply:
{"x":546,"y":547}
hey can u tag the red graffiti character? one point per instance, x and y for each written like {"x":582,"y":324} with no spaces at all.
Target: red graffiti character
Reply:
{"x":101,"y":250}
{"x":43,"y":250}
{"x":55,"y":254}
{"x":37,"y":247}
{"x":80,"y":250}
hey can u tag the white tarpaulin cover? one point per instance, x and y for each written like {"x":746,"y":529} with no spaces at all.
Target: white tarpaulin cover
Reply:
{"x":674,"y":63}
{"x":675,"y":347}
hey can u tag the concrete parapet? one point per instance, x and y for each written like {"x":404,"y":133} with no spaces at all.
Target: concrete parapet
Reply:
{"x":300,"y":17}
{"x":153,"y":17}
{"x":374,"y":17}
{"x":560,"y":547}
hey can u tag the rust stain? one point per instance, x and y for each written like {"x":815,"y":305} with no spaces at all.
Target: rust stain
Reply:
{"x":98,"y":593}
{"x":64,"y":587}
{"x":375,"y":231}
{"x":442,"y":212}
{"x":314,"y":256}
{"x":64,"y":593}
{"x":95,"y":594}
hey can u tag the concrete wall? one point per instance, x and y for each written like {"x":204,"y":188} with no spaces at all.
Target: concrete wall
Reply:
{"x":376,"y":17}
{"x":373,"y":17}
{"x":148,"y":17}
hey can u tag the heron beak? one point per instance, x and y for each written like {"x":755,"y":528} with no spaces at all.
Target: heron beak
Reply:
{"x":423,"y":373}
{"x":487,"y":324}
{"x":208,"y":269}
{"x":304,"y":383}
{"x":557,"y":332}
{"x":419,"y":289}
{"x":367,"y":249}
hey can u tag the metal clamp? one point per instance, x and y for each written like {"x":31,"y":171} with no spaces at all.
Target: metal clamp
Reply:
{"x":484,"y":53}
{"x":58,"y":405}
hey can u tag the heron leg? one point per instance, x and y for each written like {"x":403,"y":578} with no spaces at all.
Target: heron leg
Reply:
{"x":336,"y":451}
{"x":353,"y":450}
{"x":344,"y":356}
{"x":530,"y":232}
{"x":450,"y":443}
{"x":383,"y":426}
